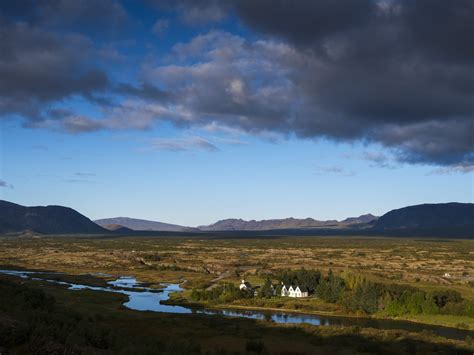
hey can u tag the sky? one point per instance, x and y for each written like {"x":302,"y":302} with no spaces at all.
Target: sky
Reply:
{"x":189,"y":112}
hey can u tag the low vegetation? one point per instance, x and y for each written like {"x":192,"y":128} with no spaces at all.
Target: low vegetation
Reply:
{"x":352,"y":294}
{"x":40,"y":317}
{"x":381,"y":277}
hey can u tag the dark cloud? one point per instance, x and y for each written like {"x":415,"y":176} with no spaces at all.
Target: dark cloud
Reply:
{"x":97,"y":17}
{"x":38,"y":67}
{"x":398,"y":73}
{"x":59,"y":113}
{"x":447,"y":142}
{"x":48,"y":55}
{"x":433,"y":27}
{"x":196,"y":12}
{"x":305,"y":22}
{"x":395,"y":72}
{"x":143,"y":91}
{"x":440,"y":29}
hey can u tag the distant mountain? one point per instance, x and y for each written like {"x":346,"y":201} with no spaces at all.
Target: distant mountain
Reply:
{"x":440,"y":216}
{"x":45,"y":220}
{"x":118,"y":228}
{"x":142,"y":225}
{"x":233,"y":224}
{"x":365,"y":218}
{"x":435,"y":220}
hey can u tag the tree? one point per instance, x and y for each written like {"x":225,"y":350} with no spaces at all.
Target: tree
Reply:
{"x":331,"y":288}
{"x":266,"y":290}
{"x":442,"y":297}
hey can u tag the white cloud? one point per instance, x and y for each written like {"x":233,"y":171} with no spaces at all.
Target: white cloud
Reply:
{"x":184,"y":144}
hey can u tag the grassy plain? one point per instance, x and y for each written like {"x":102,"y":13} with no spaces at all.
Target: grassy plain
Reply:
{"x":205,"y":261}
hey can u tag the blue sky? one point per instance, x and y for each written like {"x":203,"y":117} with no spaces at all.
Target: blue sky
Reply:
{"x":109,"y":174}
{"x":199,"y":111}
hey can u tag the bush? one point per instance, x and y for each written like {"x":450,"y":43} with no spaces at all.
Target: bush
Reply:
{"x":443,"y":297}
{"x":255,"y":346}
{"x":36,"y":299}
{"x":223,"y":293}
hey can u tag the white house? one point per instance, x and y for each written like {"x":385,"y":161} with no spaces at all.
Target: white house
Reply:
{"x":245,"y":285}
{"x":301,"y":291}
{"x":294,"y":291}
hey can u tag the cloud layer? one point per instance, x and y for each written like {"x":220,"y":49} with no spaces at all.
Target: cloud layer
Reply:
{"x":399,"y":73}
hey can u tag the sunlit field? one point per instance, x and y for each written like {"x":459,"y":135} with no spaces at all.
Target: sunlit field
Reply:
{"x":203,"y":263}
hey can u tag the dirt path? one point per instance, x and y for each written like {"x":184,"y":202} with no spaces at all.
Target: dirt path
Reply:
{"x":214,"y":282}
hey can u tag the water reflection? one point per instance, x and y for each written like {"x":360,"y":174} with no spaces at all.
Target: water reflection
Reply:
{"x":148,"y":299}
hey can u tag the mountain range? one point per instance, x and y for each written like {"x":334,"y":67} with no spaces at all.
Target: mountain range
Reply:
{"x":443,"y":219}
{"x":233,"y":224}
{"x":141,"y":225}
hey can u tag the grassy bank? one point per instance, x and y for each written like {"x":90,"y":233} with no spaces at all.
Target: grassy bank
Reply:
{"x":47,"y":318}
{"x":319,"y":307}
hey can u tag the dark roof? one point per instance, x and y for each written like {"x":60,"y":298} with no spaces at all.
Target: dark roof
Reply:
{"x":304,"y":289}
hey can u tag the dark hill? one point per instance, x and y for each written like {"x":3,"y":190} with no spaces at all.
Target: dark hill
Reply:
{"x":45,"y":220}
{"x":441,"y":216}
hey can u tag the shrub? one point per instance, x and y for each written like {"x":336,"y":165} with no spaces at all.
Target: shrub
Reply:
{"x":255,"y":346}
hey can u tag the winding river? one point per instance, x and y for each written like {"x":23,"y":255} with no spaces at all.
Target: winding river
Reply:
{"x":141,"y":298}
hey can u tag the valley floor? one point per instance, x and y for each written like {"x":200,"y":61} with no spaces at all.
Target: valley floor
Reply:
{"x":206,"y":262}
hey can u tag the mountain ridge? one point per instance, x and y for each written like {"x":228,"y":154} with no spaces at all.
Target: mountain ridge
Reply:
{"x":137,"y":224}
{"x":428,"y":216}
{"x":51,"y":219}
{"x":236,"y":224}
{"x":444,"y":219}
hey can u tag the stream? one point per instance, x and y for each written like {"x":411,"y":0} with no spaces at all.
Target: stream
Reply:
{"x":141,"y":298}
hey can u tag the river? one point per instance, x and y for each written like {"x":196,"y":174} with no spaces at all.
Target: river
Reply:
{"x":141,"y":298}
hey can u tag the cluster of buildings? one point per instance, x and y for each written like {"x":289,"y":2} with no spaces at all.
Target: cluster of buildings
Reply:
{"x":286,"y":290}
{"x":294,"y":291}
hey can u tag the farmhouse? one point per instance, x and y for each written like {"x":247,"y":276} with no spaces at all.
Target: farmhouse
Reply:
{"x":245,"y":285}
{"x":294,"y":291}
